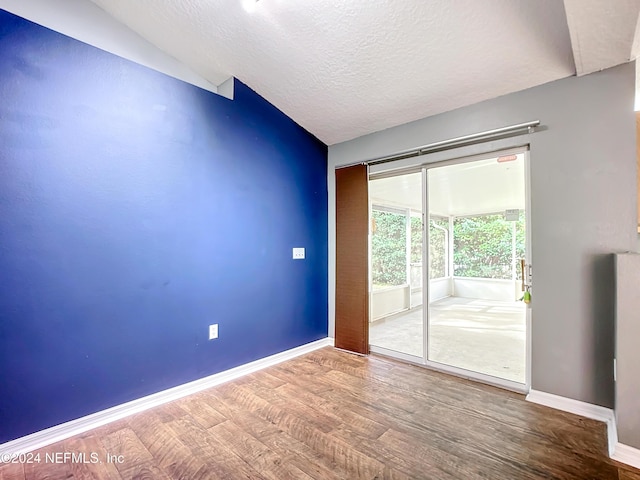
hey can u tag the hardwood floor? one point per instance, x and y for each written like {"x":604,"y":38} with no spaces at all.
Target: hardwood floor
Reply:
{"x":329,"y":414}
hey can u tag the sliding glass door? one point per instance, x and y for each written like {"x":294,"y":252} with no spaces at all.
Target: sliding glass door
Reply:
{"x":460,"y":230}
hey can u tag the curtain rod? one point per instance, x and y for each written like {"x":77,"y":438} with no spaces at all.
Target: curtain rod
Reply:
{"x":474,"y":138}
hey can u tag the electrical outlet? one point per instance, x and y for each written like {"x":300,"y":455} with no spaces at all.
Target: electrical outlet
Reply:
{"x":298,"y":253}
{"x":213,"y":331}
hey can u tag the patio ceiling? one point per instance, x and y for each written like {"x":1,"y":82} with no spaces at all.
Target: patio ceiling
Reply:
{"x":486,"y":186}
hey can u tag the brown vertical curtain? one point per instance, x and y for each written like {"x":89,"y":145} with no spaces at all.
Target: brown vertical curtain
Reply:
{"x":352,"y":259}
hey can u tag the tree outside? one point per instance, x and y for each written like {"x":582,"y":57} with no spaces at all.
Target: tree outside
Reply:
{"x":438,"y":228}
{"x":388,"y":249}
{"x":482,"y":247}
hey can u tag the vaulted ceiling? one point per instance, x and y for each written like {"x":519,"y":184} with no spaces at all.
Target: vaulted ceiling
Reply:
{"x":346,"y":68}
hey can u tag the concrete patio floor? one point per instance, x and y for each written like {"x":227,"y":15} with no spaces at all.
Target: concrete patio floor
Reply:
{"x":484,"y":336}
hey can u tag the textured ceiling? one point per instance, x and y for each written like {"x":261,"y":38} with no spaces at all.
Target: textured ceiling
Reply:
{"x":345,"y":68}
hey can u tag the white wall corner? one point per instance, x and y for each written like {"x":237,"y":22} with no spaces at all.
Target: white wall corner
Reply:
{"x":66,"y":430}
{"x":588,"y":410}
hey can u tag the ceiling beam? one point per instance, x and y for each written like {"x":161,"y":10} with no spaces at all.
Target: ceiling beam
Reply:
{"x":602,"y":32}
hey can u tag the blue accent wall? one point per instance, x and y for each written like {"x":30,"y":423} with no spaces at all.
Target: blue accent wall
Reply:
{"x":135,"y":210}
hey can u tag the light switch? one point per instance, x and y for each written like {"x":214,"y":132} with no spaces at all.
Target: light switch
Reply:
{"x":298,"y":253}
{"x":213,"y":331}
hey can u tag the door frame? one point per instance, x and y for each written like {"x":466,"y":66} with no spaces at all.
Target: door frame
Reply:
{"x":424,"y":361}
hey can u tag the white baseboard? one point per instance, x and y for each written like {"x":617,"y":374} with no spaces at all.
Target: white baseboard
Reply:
{"x":583,"y":409}
{"x":626,"y":454}
{"x":617,"y":451}
{"x":69,"y":429}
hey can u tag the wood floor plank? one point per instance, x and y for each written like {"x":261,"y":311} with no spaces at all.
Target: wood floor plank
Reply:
{"x":507,"y":466}
{"x":266,"y":379}
{"x":289,"y":370}
{"x":480,"y":430}
{"x":298,"y":453}
{"x":200,"y":411}
{"x":299,"y":366}
{"x":171,"y":411}
{"x":194,"y":435}
{"x":11,"y":471}
{"x":350,"y":363}
{"x":146,"y":471}
{"x":479,"y":400}
{"x":411,"y":465}
{"x":346,"y":419}
{"x":443,"y":458}
{"x":218,"y":459}
{"x":108,"y":429}
{"x":371,"y":401}
{"x":494,"y":442}
{"x":626,"y":474}
{"x":270,"y":464}
{"x":315,"y":417}
{"x":252,"y":424}
{"x":366,"y":404}
{"x":51,"y":466}
{"x":361,"y":466}
{"x":167,"y":450}
{"x":137,"y":461}
{"x":90,"y":445}
{"x":333,"y":415}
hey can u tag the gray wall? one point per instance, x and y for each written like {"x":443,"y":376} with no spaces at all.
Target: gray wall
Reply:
{"x":627,"y":351}
{"x":583,"y":192}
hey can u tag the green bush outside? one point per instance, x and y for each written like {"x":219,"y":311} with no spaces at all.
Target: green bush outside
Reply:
{"x":482,"y":247}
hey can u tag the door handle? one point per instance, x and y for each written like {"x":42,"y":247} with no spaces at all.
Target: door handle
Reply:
{"x":526,"y":281}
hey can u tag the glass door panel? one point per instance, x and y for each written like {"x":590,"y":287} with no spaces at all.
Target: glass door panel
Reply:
{"x":476,"y":215}
{"x":396,"y":244}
